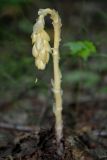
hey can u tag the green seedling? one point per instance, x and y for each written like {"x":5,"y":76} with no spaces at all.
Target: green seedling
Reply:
{"x":82,"y":49}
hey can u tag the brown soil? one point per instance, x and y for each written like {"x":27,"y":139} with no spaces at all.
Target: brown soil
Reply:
{"x":43,"y":146}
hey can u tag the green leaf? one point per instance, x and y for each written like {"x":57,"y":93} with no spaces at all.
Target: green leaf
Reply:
{"x":75,"y":47}
{"x":82,"y":49}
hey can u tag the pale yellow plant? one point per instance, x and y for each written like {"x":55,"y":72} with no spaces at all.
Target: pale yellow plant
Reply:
{"x":41,"y":51}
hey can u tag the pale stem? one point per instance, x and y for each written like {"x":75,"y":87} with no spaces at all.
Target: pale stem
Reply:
{"x":57,"y":74}
{"x":57,"y":83}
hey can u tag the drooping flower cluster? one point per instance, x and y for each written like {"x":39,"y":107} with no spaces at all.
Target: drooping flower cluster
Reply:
{"x":41,"y":47}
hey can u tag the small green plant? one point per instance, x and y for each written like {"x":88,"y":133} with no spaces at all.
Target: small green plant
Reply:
{"x":82,"y":49}
{"x":41,"y":52}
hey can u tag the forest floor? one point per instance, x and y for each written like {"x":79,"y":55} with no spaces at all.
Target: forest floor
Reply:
{"x":85,"y":138}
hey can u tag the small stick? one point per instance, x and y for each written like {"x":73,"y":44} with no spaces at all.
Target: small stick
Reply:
{"x":17,"y":127}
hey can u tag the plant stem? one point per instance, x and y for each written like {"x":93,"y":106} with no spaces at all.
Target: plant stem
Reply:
{"x":57,"y":77}
{"x":57,"y":82}
{"x":41,"y":62}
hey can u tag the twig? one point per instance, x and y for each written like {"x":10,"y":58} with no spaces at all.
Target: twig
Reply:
{"x":102,"y":133}
{"x":17,"y":127}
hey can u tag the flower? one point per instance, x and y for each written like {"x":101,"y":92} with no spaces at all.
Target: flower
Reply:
{"x":41,"y":47}
{"x":39,"y":25}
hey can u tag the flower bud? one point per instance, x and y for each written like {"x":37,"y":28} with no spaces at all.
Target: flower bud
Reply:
{"x":34,"y":51}
{"x":33,"y":37}
{"x":45,"y":35}
{"x":39,"y":25}
{"x":41,"y":47}
{"x":39,"y":63}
